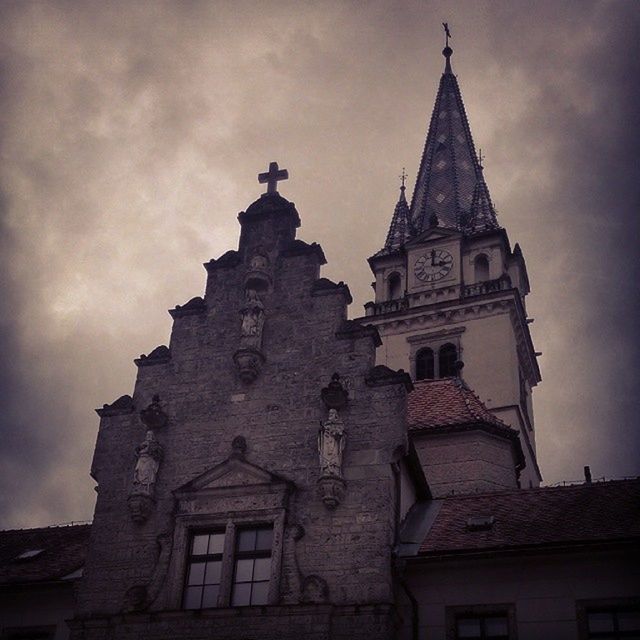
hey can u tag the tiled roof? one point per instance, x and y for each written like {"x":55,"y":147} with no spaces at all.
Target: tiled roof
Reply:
{"x":446,"y":402}
{"x":64,"y":551}
{"x":529,"y":518}
{"x":400,"y":228}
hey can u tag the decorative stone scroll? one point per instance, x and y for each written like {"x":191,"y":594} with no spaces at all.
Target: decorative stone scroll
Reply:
{"x":332,"y":439}
{"x":249,"y":357}
{"x":141,"y":500}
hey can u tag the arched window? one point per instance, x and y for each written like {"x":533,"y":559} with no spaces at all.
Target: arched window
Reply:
{"x":447,"y":358}
{"x":481,"y":268}
{"x":424,"y":364}
{"x":395,"y":286}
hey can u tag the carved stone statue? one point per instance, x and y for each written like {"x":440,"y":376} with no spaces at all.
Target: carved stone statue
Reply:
{"x":252,"y":316}
{"x":331,"y":442}
{"x":149,"y":456}
{"x":141,"y":501}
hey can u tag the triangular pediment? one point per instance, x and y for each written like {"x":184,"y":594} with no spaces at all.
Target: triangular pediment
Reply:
{"x":431,"y":235}
{"x":234,"y":472}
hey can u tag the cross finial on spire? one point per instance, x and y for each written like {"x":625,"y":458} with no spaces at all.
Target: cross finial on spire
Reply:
{"x":447,"y":33}
{"x":447,"y":51}
{"x":403,"y":177}
{"x":272,"y":177}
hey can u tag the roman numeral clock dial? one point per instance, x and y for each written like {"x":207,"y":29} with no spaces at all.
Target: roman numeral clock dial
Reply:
{"x":433,"y":266}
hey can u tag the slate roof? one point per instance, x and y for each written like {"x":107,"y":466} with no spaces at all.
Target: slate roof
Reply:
{"x":64,"y":551}
{"x":602,"y":512}
{"x":446,"y":402}
{"x":400,"y":227}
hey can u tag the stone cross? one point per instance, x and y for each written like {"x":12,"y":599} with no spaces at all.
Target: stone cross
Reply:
{"x":272,"y":177}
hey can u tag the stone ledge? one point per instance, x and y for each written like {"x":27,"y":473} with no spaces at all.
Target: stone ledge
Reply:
{"x":353,"y":329}
{"x":195,"y":306}
{"x":227,"y":260}
{"x":122,"y":406}
{"x":302,"y":248}
{"x":382,"y":375}
{"x":324,"y":286}
{"x":160,"y":355}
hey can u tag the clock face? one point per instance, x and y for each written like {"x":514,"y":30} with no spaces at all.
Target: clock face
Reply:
{"x":433,"y":266}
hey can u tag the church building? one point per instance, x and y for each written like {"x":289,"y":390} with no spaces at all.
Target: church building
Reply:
{"x":280,"y":471}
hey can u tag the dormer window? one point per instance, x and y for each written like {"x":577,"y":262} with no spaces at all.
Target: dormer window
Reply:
{"x":481,"y":268}
{"x":394,"y":286}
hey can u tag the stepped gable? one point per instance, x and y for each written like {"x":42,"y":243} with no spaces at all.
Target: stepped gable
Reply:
{"x":160,"y":355}
{"x":586,"y":514}
{"x":300,"y":248}
{"x":64,"y":549}
{"x":447,"y":402}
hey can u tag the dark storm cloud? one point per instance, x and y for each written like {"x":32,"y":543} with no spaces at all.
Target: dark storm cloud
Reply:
{"x":131,"y":136}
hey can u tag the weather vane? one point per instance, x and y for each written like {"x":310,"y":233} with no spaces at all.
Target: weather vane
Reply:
{"x":447,"y":33}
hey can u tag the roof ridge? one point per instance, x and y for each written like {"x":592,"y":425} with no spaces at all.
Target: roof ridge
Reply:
{"x":61,"y":525}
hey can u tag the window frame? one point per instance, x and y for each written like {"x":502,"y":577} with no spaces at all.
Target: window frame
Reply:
{"x":189,"y":525}
{"x":482,"y":611}
{"x":614,"y":605}
{"x":434,"y":341}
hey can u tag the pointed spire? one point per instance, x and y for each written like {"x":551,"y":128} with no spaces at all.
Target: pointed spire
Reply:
{"x":400,"y":228}
{"x":483,"y":214}
{"x":449,"y":169}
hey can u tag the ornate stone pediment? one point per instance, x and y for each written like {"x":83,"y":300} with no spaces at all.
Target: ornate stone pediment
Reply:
{"x":234,"y":476}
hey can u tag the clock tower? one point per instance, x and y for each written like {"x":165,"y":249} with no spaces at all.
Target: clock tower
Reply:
{"x":449,"y":287}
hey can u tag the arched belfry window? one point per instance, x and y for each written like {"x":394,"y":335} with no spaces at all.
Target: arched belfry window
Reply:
{"x":481,"y":268}
{"x":425,"y":364}
{"x":395,"y":286}
{"x":447,"y":358}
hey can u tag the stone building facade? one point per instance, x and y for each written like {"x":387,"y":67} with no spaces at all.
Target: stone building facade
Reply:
{"x":282,"y":472}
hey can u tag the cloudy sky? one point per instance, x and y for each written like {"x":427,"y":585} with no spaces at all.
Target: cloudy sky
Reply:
{"x":132,"y":133}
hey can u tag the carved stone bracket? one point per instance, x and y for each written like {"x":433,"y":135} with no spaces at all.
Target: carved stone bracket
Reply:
{"x":249,"y":363}
{"x":140,"y":506}
{"x":334,"y":395}
{"x":331,"y":490}
{"x":153,"y":417}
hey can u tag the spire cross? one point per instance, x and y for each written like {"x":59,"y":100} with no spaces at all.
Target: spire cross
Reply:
{"x":447,"y":33}
{"x":272,"y":177}
{"x":403,"y":177}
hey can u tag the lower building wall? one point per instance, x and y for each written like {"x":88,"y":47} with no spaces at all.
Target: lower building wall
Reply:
{"x":543,"y":593}
{"x":41,"y":609}
{"x":311,"y":622}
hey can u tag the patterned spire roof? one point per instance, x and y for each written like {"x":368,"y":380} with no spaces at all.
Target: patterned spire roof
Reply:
{"x":400,"y":228}
{"x":483,"y":215}
{"x":449,"y":169}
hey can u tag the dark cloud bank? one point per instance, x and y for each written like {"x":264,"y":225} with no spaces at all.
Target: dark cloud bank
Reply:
{"x":131,"y":135}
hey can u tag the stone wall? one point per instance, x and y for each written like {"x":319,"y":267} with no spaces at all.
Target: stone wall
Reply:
{"x":206,"y":476}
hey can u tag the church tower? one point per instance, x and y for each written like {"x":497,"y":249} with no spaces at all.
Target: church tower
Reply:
{"x":449,"y":288}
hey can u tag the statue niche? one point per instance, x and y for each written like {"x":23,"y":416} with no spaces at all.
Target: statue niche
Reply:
{"x":258,"y":277}
{"x":331,"y":443}
{"x":141,"y":499}
{"x":249,"y":357}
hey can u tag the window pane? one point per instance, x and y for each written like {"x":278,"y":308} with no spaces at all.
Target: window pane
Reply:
{"x":264,"y":538}
{"x":241,"y":595}
{"x":468,"y":628}
{"x":196,"y":573}
{"x":199,"y":547}
{"x":247,"y":540}
{"x":262,"y":569}
{"x":424,"y":365}
{"x":260,"y":593}
{"x":210,"y":596}
{"x":216,"y":543}
{"x":599,"y":622}
{"x":447,"y":358}
{"x":244,"y":570}
{"x":497,"y":626}
{"x":629,"y":620}
{"x":213,"y":572}
{"x":192,"y":597}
